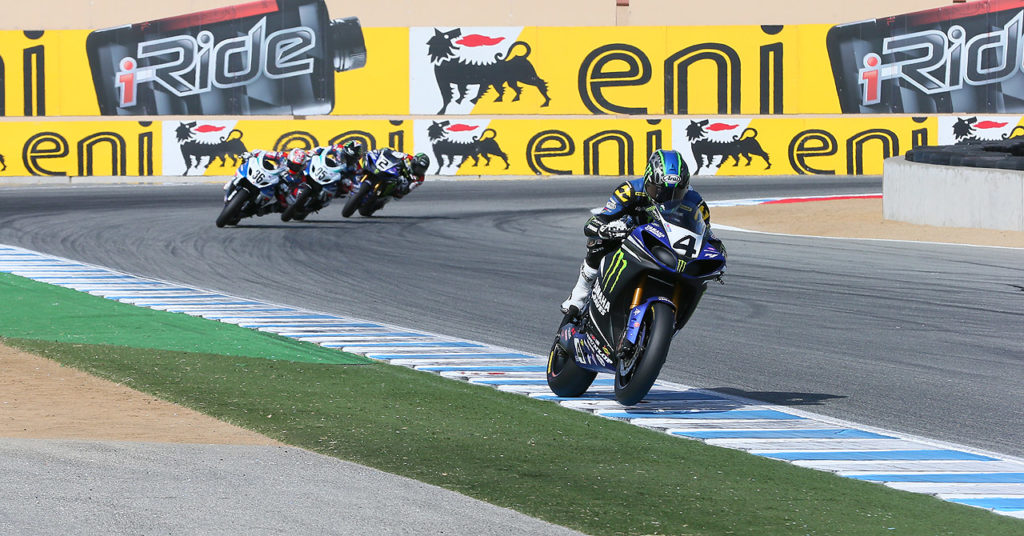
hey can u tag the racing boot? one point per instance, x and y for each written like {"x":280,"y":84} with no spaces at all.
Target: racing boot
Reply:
{"x":581,"y":291}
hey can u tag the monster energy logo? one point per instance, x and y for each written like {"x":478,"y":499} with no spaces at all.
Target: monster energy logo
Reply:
{"x":681,"y":266}
{"x":615,"y":268}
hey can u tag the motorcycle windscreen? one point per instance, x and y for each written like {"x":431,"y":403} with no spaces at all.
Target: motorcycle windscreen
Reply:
{"x":684,"y":213}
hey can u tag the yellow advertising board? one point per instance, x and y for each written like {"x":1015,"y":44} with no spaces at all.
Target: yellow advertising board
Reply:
{"x":80,"y":148}
{"x":290,"y":58}
{"x":622,"y":70}
{"x":471,"y":146}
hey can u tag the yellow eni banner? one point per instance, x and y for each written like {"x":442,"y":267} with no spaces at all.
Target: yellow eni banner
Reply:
{"x":621,"y":70}
{"x":713,"y":145}
{"x":773,"y":146}
{"x":209,"y":147}
{"x":471,"y":146}
{"x":83,"y":148}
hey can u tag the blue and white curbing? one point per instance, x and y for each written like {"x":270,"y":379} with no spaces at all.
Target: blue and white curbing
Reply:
{"x":951,"y":472}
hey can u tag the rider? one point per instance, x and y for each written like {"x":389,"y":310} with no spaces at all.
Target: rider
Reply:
{"x":413,"y":168}
{"x":348,"y":156}
{"x":666,"y":178}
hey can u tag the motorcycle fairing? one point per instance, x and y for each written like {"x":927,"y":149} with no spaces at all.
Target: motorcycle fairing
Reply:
{"x":637,"y":315}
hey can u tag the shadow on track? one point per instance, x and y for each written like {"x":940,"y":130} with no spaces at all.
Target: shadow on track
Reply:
{"x":780,"y":398}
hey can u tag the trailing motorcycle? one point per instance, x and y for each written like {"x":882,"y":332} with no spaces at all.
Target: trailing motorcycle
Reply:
{"x":644,"y":293}
{"x":321,"y":179}
{"x":375,"y":189}
{"x":252,"y":191}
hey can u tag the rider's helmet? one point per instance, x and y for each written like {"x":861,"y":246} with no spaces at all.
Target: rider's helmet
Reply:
{"x":667,"y":177}
{"x":419,"y":165}
{"x":351,"y":150}
{"x":296,"y":160}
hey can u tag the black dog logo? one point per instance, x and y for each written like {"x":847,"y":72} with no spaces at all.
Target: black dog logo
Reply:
{"x":964,"y":130}
{"x":482,"y":146}
{"x":450,"y":71}
{"x":194,"y":150}
{"x":704,"y":148}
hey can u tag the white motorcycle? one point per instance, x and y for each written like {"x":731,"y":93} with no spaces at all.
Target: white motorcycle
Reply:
{"x":252,"y":191}
{"x":321,"y":180}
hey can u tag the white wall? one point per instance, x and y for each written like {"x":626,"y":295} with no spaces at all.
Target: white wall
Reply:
{"x":952,"y":196}
{"x":93,"y":14}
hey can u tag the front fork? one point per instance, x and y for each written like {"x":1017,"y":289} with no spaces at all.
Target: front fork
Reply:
{"x":638,"y":308}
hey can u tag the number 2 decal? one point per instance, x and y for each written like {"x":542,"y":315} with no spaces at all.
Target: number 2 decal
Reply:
{"x":688,"y":245}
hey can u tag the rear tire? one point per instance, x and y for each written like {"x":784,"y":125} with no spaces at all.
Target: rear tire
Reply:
{"x":232,"y":212}
{"x":636,"y":373}
{"x":565,"y":377}
{"x":298,"y":207}
{"x":353,"y":201}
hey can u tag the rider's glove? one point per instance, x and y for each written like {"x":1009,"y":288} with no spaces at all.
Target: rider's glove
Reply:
{"x":613,"y":229}
{"x":246,"y":155}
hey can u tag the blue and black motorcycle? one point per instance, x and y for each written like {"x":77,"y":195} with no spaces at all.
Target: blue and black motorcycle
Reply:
{"x":644,"y":293}
{"x":378,"y":185}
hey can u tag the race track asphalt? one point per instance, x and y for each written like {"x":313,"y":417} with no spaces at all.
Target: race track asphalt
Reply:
{"x":923,"y":339}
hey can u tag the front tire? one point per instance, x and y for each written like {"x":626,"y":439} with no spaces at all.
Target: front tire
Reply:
{"x":565,"y":377}
{"x":232,"y":212}
{"x":297,"y":208}
{"x":352,"y":203}
{"x":636,"y":373}
{"x":371,"y":205}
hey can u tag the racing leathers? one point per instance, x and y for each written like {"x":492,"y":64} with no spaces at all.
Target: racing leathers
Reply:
{"x":605,"y":231}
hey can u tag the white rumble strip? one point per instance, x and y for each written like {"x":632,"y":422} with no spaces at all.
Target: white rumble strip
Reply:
{"x":951,"y":472}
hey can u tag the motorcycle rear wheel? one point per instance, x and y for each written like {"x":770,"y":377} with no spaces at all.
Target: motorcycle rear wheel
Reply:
{"x":355,"y":199}
{"x":636,"y":373}
{"x":232,"y":212}
{"x":565,"y":377}
{"x":298,"y":207}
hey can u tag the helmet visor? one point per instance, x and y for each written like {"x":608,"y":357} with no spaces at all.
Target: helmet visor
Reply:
{"x":661,"y":191}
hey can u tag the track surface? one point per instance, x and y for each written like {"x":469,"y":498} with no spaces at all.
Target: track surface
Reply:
{"x":921,"y":338}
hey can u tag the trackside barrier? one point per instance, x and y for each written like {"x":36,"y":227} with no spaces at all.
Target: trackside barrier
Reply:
{"x":953,"y":195}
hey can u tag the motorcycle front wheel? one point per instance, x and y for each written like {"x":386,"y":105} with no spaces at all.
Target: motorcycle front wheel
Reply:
{"x":565,"y":377}
{"x":232,"y":212}
{"x":371,"y":205}
{"x":637,"y":371}
{"x":353,"y":201}
{"x":298,"y":208}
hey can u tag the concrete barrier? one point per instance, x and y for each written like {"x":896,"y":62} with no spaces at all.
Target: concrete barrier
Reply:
{"x":952,"y":196}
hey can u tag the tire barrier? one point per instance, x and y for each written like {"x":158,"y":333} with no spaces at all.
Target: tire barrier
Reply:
{"x":1004,"y":154}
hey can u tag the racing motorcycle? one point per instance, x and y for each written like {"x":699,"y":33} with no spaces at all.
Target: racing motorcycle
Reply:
{"x":321,"y":180}
{"x":375,"y":189}
{"x":644,"y":293}
{"x":252,"y":191}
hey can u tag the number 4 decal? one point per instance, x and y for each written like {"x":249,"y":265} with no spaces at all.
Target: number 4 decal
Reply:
{"x":688,"y":245}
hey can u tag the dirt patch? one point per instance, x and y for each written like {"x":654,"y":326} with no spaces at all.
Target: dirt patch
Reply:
{"x":40,"y":399}
{"x":853,"y":218}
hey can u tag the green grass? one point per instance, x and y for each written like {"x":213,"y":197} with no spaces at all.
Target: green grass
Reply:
{"x":34,"y":310}
{"x":592,"y":474}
